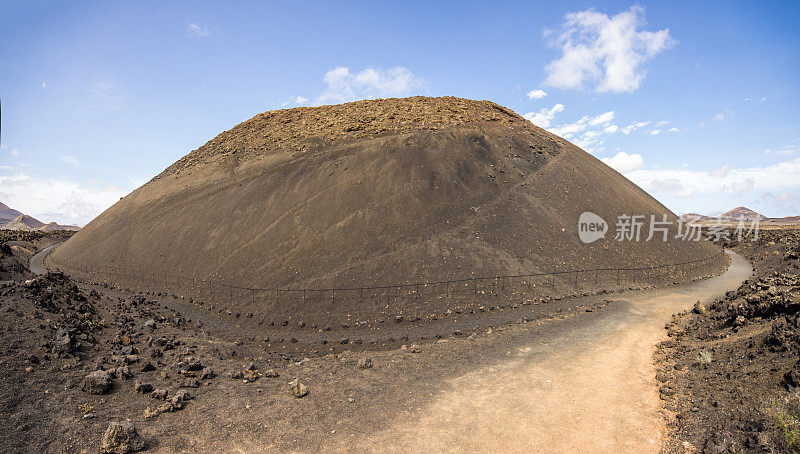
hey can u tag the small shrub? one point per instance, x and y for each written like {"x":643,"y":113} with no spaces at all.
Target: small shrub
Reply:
{"x":784,"y":417}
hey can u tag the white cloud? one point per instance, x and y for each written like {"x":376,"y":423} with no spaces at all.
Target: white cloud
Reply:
{"x":720,"y":116}
{"x":544,"y":117}
{"x":674,"y":130}
{"x":743,"y":187}
{"x":298,"y":100}
{"x":586,"y":133}
{"x":787,"y":150}
{"x":44,"y":84}
{"x":763,"y":99}
{"x":777,"y":178}
{"x":721,"y":172}
{"x":634,"y":126}
{"x":71,"y":160}
{"x":606,"y":50}
{"x":343,"y":85}
{"x":624,"y":162}
{"x":14,"y":152}
{"x":197,"y":31}
{"x":602,"y":118}
{"x":536,"y":94}
{"x":655,"y":132}
{"x":63,"y":201}
{"x":784,"y":201}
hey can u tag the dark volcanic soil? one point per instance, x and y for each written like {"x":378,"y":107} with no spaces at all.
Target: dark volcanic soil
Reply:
{"x":54,"y":332}
{"x":730,"y":372}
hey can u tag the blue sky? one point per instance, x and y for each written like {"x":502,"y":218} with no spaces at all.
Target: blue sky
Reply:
{"x":697,"y":102}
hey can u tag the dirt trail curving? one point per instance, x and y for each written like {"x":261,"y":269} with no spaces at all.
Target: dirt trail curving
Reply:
{"x":590,"y":389}
{"x":36,"y":264}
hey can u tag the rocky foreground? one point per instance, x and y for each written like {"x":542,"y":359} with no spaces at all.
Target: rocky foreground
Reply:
{"x":729,"y":373}
{"x":80,"y":366}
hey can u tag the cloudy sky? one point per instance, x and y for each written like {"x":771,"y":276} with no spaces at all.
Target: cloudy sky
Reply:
{"x":697,"y":102}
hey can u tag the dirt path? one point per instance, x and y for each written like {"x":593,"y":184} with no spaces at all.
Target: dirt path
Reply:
{"x":36,"y":264}
{"x":591,"y":389}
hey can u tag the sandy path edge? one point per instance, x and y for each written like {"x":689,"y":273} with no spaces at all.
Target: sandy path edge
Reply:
{"x":589,"y":389}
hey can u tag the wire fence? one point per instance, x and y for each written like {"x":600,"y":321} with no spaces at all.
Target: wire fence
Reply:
{"x":414,"y":300}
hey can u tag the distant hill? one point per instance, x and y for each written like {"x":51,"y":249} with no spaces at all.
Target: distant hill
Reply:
{"x":7,"y":214}
{"x":694,"y":217}
{"x":11,"y":219}
{"x":24,"y":222}
{"x":743,"y":213}
{"x":54,"y":226}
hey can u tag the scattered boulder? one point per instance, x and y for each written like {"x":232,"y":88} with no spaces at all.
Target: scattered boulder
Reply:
{"x":191,"y":363}
{"x":250,"y":375}
{"x":177,"y":401}
{"x":124,"y":372}
{"x":143,"y":387}
{"x":270,"y":373}
{"x":121,"y":438}
{"x":184,"y":394}
{"x":236,"y":375}
{"x":160,"y":394}
{"x":207,"y":373}
{"x":699,"y":308}
{"x":97,"y":382}
{"x":190,"y":383}
{"x":365,"y":363}
{"x":297,"y":388}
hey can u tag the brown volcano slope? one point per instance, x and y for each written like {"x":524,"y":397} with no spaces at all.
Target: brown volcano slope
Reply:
{"x":376,"y":192}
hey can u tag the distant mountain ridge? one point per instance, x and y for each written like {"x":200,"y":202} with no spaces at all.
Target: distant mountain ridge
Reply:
{"x":11,"y":219}
{"x":7,"y":214}
{"x":743,"y":213}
